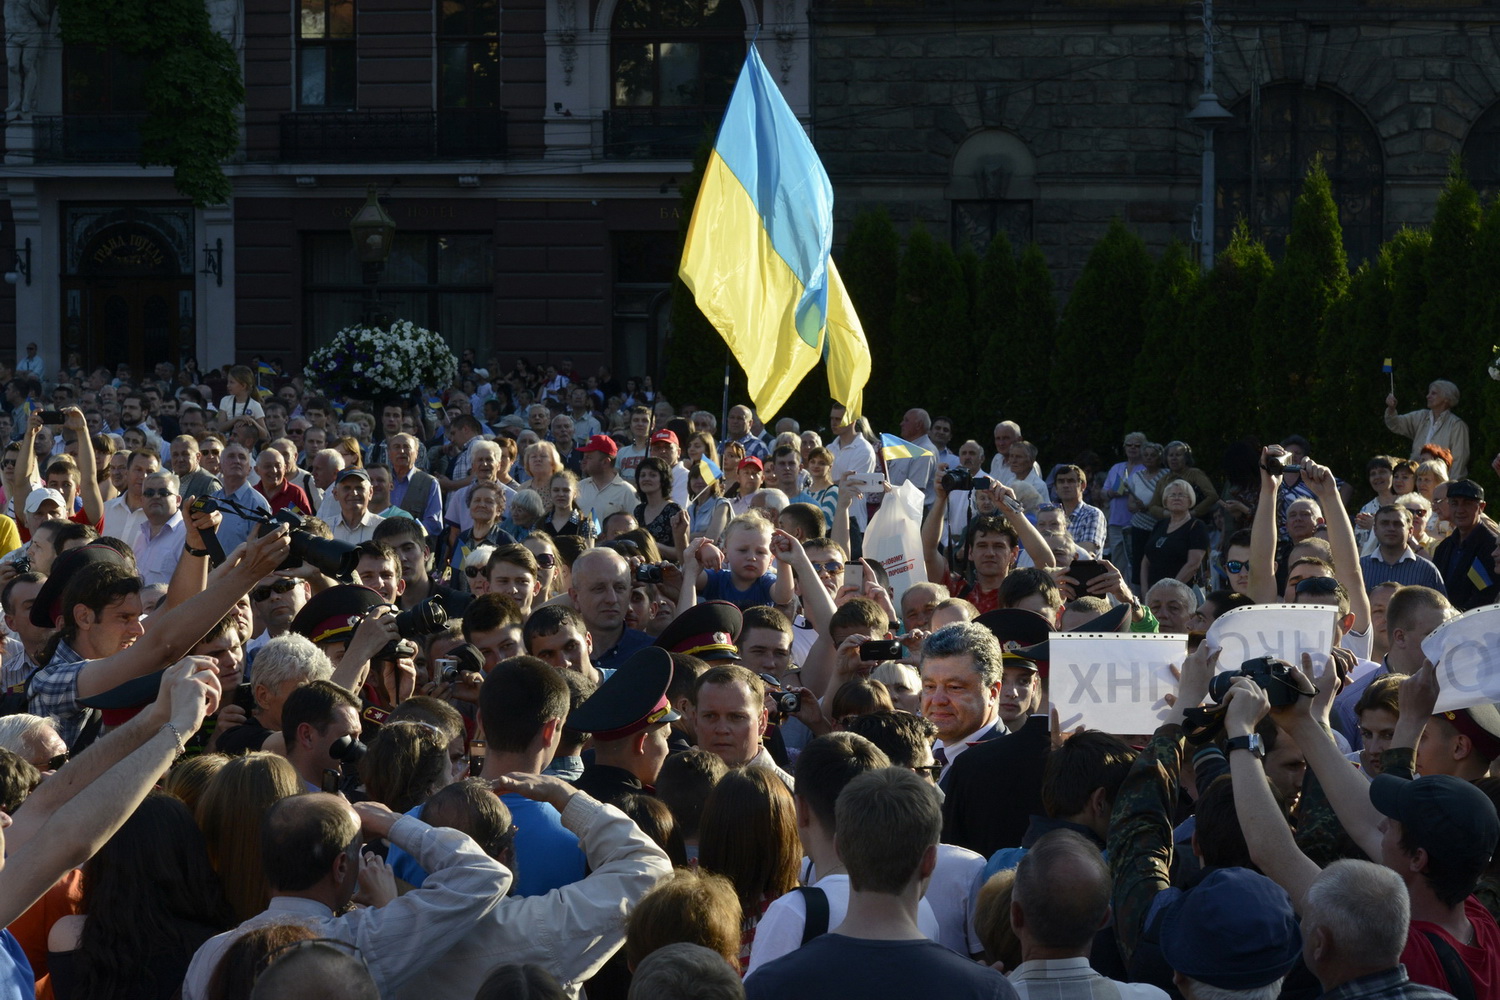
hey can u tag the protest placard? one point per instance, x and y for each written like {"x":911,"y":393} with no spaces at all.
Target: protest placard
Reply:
{"x":1466,"y":653}
{"x":1284,"y":631}
{"x":1113,"y":681}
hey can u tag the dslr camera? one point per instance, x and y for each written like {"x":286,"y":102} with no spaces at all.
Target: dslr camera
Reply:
{"x":415,"y":623}
{"x":332,"y":558}
{"x":648,"y":573}
{"x":958,"y":479}
{"x":1204,"y":723}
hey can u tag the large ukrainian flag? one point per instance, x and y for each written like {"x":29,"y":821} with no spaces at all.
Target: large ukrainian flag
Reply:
{"x":756,"y":255}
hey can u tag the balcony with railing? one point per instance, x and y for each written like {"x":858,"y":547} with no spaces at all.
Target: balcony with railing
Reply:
{"x":111,"y":138}
{"x":388,"y":136}
{"x":656,"y":133}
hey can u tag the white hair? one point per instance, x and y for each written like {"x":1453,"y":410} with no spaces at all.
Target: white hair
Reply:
{"x":1365,"y":908}
{"x":479,"y":557}
{"x":19,"y":733}
{"x":291,"y":657}
{"x":1182,"y":590}
{"x":771,"y":499}
{"x":1192,"y":493}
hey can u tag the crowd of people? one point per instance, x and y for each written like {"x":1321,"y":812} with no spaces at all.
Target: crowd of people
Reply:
{"x":556,"y":688}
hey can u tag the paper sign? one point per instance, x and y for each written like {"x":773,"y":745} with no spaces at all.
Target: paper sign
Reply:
{"x":1284,"y":631}
{"x":1466,"y":652}
{"x":1113,"y":681}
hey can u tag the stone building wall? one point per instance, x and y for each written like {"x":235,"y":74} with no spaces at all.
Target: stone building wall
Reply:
{"x":1074,"y":113}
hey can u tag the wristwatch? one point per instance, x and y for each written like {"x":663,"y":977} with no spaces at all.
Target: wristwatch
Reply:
{"x":1251,"y":743}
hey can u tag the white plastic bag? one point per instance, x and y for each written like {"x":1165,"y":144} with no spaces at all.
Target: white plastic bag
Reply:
{"x":894,"y":538}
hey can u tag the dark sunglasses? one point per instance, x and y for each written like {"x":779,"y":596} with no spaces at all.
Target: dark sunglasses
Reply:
{"x":546,"y":560}
{"x":264,"y":593}
{"x":56,"y":763}
{"x":1318,"y":585}
{"x":1236,"y":565}
{"x":828,"y":567}
{"x":932,"y":771}
{"x":472,"y":571}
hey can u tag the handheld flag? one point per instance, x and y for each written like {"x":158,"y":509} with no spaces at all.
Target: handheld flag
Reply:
{"x":1479,"y":575}
{"x":1386,"y":368}
{"x":435,"y":403}
{"x":709,"y":471}
{"x":892,"y":447}
{"x":757,"y":251}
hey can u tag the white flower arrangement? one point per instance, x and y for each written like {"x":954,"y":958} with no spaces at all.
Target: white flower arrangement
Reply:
{"x":368,"y":362}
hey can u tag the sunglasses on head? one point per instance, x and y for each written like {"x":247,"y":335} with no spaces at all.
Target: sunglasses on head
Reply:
{"x":279,"y":587}
{"x":1048,"y":508}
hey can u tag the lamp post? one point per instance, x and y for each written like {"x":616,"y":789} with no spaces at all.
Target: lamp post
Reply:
{"x":1207,"y":114}
{"x":373,"y":232}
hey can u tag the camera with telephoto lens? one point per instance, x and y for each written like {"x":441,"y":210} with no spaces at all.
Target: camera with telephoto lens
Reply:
{"x":1204,"y":723}
{"x":789,"y":703}
{"x":648,"y":573}
{"x":1274,"y":677}
{"x":425,"y":619}
{"x":1277,"y":464}
{"x":326,"y":555}
{"x":955,"y":480}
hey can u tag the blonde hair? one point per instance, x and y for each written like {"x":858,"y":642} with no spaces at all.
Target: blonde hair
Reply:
{"x":747,"y":522}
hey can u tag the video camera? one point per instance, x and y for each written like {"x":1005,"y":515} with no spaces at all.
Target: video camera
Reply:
{"x":1204,"y":723}
{"x":955,"y":480}
{"x":1277,"y":464}
{"x":328,"y":556}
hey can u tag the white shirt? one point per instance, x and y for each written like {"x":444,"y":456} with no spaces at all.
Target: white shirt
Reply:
{"x":779,"y":931}
{"x":951,"y":892}
{"x":1072,"y":979}
{"x":120,"y":521}
{"x":361,"y":532}
{"x":856,"y":456}
{"x":156,"y":555}
{"x":679,"y":485}
{"x":952,"y":750}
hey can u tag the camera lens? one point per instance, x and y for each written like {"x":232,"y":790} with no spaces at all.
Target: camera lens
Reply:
{"x":426,"y":618}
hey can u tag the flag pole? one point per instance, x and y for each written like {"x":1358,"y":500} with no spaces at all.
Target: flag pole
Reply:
{"x":724,"y":409}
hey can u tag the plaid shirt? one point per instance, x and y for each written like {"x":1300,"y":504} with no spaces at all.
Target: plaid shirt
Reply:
{"x":1088,"y":527}
{"x":54,"y":692}
{"x":1391,"y":984}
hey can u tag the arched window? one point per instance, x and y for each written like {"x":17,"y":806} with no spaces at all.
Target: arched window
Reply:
{"x":1263,"y":155}
{"x":1482,"y":154}
{"x":992,"y":190}
{"x":673,"y":67}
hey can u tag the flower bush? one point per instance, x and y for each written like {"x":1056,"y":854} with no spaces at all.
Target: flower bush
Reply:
{"x":369,"y":362}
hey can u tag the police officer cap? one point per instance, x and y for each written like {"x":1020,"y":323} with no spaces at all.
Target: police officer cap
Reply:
{"x":330,"y":616}
{"x":632,"y":699}
{"x":708,"y":631}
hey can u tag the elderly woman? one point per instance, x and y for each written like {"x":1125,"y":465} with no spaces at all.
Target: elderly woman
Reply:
{"x":1176,"y":546}
{"x":1437,"y":424}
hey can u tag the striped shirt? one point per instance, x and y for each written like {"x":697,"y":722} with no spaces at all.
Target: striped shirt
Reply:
{"x":1411,"y":570}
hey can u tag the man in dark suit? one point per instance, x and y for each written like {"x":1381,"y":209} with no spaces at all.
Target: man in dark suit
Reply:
{"x":1466,"y":558}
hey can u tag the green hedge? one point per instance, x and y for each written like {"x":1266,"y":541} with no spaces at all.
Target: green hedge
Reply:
{"x":1252,"y":350}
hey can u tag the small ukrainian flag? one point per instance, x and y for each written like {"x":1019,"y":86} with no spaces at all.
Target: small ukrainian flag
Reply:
{"x":709,"y":471}
{"x":1479,"y":575}
{"x":1386,"y":368}
{"x":892,"y":447}
{"x":435,"y":404}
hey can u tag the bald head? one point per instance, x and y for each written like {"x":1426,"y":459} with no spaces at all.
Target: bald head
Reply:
{"x":1061,"y":895}
{"x":312,"y":970}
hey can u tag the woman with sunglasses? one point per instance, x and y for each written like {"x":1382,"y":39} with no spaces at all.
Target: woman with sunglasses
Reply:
{"x":486,"y":507}
{"x":552,"y":572}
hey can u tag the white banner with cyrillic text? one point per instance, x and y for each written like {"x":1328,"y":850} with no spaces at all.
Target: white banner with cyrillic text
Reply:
{"x":1466,"y":653}
{"x":1284,"y":631}
{"x":1113,"y":681}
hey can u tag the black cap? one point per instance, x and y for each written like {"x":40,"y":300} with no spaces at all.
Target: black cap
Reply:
{"x":1110,"y":621}
{"x":328,"y":617}
{"x":48,"y":605}
{"x":708,"y":631}
{"x":1234,"y":930}
{"x":1465,"y":488}
{"x":1445,"y":816}
{"x":1017,"y":630}
{"x":632,"y":699}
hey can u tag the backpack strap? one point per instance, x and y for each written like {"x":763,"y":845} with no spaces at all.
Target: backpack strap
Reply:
{"x":816,"y":924}
{"x":1460,"y":983}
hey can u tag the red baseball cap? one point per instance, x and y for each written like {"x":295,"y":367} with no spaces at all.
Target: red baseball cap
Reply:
{"x":604,"y":443}
{"x":752,"y":460}
{"x":666,"y":435}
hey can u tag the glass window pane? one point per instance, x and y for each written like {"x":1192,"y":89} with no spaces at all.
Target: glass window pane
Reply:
{"x":313,"y":72}
{"x":330,"y":312}
{"x":453,"y":17}
{"x":635,"y":76}
{"x":466,"y":320}
{"x":632,"y":15}
{"x":407,"y":264}
{"x":484,"y":90}
{"x":721,"y":67}
{"x":453,"y":75}
{"x":465,"y":260}
{"x":341,"y":19}
{"x":340,"y":76}
{"x":314,"y":20}
{"x":679,"y":74}
{"x":330,"y":260}
{"x":723,"y":15}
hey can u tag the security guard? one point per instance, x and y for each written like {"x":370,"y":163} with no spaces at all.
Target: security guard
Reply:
{"x":628,"y":717}
{"x":709,"y":631}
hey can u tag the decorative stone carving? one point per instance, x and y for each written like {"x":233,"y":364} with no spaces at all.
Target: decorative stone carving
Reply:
{"x":28,"y":29}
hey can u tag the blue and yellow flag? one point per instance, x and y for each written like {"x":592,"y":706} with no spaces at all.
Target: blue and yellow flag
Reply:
{"x":892,"y":447}
{"x":709,"y":471}
{"x":435,"y":403}
{"x":1479,"y":575}
{"x":756,"y":255}
{"x":1386,"y":368}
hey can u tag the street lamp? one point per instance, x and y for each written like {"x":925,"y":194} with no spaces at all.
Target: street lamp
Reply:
{"x":373,"y":232}
{"x":1207,"y":114}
